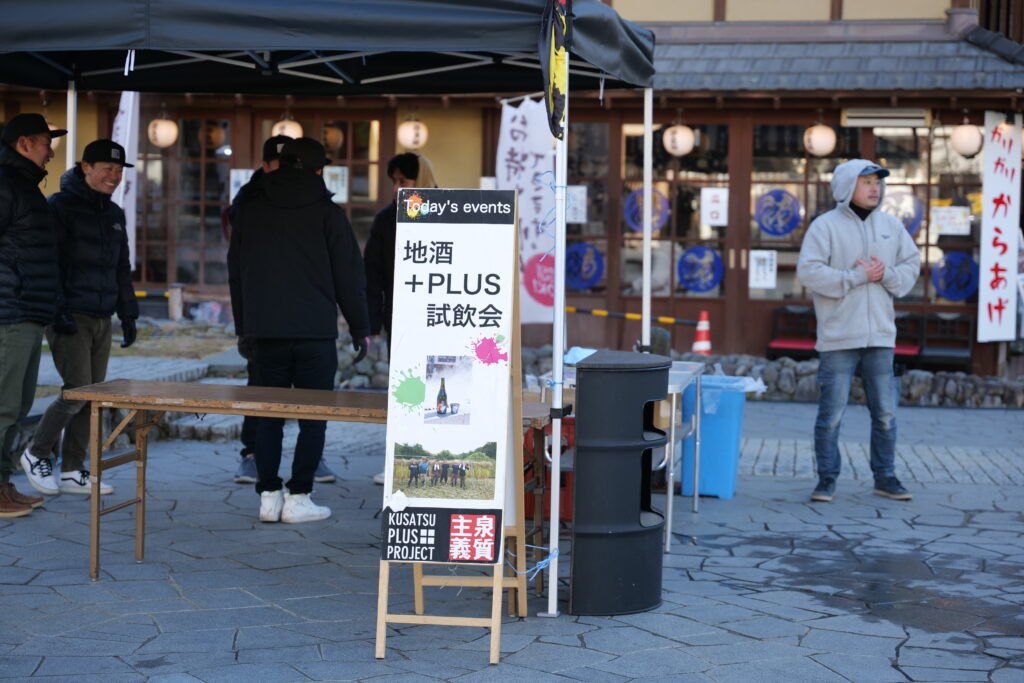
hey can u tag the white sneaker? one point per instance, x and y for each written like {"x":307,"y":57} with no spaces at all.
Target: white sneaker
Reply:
{"x":79,"y":482}
{"x":40,"y":473}
{"x":271,"y":503}
{"x":299,"y":507}
{"x":378,"y":479}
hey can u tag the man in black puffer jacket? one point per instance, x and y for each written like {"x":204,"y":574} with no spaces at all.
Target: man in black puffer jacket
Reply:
{"x":29,"y":284}
{"x":293,"y":261}
{"x":96,"y":279}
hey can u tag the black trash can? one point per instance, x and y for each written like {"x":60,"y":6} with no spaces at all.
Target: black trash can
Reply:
{"x":617,"y":536}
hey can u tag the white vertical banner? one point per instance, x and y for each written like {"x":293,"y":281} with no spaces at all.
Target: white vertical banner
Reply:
{"x":126,"y":134}
{"x":1000,"y":221}
{"x":526,"y":162}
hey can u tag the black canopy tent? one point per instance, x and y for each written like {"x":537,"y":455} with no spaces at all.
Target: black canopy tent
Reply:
{"x":336,"y":47}
{"x":340,"y":47}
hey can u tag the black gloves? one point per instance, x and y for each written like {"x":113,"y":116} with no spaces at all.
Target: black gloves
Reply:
{"x":130,"y":332}
{"x":361,"y":345}
{"x":247,"y":348}
{"x":65,"y":323}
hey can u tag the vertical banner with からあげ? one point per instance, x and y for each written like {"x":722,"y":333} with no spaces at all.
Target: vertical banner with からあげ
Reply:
{"x":449,"y":393}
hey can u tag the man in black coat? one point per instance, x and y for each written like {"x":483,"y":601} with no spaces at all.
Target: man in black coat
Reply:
{"x":96,"y":280}
{"x":29,"y":284}
{"x":293,"y":261}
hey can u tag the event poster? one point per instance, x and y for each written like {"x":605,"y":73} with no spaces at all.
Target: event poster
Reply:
{"x":449,"y":392}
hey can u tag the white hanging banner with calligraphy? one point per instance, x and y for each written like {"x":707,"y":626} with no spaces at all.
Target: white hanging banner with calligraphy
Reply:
{"x":1000,"y":221}
{"x":125,"y":132}
{"x":449,"y":393}
{"x":526,"y":163}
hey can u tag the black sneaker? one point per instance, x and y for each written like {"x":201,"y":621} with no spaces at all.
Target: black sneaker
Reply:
{"x":890,"y":487}
{"x":824,"y":491}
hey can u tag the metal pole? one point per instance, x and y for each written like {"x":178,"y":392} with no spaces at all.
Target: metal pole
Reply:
{"x":645,"y":330}
{"x":557,"y":355}
{"x":70,"y":149}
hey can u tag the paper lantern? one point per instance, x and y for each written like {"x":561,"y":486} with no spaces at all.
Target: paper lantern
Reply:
{"x":333,"y":137}
{"x":819,"y":140}
{"x":678,"y":140}
{"x":287,"y":127}
{"x":412,"y":134}
{"x":162,"y":132}
{"x":966,"y":140}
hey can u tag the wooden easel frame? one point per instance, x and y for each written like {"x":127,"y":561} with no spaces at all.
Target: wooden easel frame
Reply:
{"x":514,"y":534}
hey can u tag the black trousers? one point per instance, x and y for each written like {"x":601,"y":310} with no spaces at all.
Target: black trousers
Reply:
{"x":304,"y":364}
{"x":250,"y":422}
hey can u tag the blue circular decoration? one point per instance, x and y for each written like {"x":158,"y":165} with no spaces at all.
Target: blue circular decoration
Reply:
{"x":634,"y":211}
{"x":700,"y":269}
{"x":584,"y":266}
{"x":777,"y":212}
{"x":955,"y":276}
{"x":905,"y":206}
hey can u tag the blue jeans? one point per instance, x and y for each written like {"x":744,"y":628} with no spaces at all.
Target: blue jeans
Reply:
{"x":835,"y":373}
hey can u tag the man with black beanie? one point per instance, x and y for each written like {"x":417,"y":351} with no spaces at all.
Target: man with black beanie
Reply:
{"x":29,"y":284}
{"x":293,"y":261}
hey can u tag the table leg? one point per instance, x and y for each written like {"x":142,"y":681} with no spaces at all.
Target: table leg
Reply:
{"x":696,"y":447}
{"x":95,"y":445}
{"x":670,"y":475}
{"x":539,"y":472}
{"x":141,"y":446}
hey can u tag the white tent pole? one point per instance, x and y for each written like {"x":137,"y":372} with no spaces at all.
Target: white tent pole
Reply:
{"x":558,"y":354}
{"x":645,"y":329}
{"x":70,"y":143}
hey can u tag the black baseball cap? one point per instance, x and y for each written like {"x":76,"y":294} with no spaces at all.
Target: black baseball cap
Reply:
{"x":105,"y":150}
{"x":27,"y":125}
{"x":309,"y":153}
{"x":272,"y":147}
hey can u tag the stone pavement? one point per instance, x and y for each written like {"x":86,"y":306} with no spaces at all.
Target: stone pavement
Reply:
{"x":765,"y":586}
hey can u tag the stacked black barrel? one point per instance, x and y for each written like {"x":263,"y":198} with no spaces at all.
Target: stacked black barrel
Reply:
{"x":617,"y":537}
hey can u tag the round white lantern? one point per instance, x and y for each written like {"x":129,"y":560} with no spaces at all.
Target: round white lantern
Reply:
{"x":287,"y":127}
{"x":54,"y":142}
{"x":163,"y":132}
{"x":333,"y":138}
{"x":678,"y":140}
{"x":819,"y":140}
{"x":966,"y":140}
{"x":412,"y":134}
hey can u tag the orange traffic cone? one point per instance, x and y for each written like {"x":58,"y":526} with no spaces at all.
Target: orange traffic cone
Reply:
{"x":702,"y":339}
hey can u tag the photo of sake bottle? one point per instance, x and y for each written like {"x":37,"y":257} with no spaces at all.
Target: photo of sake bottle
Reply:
{"x":442,"y":399}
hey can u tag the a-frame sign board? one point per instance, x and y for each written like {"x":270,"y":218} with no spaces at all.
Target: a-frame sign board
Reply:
{"x":453,"y":490}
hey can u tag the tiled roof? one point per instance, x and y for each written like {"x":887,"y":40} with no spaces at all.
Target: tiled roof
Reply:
{"x":982,"y":60}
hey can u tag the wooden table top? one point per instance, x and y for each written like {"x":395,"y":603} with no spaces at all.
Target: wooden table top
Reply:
{"x":357,"y":406}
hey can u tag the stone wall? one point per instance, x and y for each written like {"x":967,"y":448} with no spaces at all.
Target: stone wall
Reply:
{"x":785,"y":378}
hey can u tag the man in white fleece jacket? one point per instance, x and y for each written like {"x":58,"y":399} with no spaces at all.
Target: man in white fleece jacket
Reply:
{"x":855,"y":260}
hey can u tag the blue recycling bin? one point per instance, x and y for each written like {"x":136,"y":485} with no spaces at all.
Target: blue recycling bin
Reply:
{"x":722,"y":402}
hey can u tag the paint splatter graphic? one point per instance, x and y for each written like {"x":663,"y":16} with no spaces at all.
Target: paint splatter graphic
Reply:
{"x":488,"y":350}
{"x":410,"y":390}
{"x":414,"y":200}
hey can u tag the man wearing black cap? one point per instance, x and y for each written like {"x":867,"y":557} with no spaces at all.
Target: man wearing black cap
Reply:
{"x":246,"y":472}
{"x":293,"y":261}
{"x":96,"y":278}
{"x":29,"y":284}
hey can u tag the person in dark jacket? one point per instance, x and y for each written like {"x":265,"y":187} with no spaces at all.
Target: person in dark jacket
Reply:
{"x":405,"y":170}
{"x":96,"y":280}
{"x":29,"y":284}
{"x":246,"y":472}
{"x":292,"y":262}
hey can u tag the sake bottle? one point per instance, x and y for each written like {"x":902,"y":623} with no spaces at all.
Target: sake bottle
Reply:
{"x":442,"y":399}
